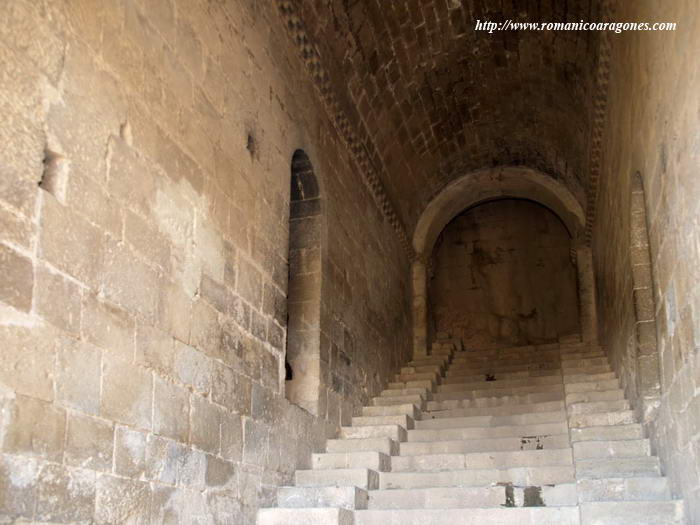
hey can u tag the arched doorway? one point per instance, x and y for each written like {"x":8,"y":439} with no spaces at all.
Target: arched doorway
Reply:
{"x":302,"y":363}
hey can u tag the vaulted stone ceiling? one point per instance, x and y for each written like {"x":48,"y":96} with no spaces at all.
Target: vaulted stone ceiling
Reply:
{"x":433,"y":99}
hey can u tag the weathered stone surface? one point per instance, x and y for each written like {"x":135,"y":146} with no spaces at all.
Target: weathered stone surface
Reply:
{"x":17,"y":279}
{"x":126,"y":393}
{"x":89,"y":443}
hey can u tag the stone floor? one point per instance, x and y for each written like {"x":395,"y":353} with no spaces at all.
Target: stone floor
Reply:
{"x":526,"y":435}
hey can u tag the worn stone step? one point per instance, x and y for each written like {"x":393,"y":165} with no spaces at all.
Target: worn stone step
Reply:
{"x":395,"y":432}
{"x":586,"y":371}
{"x":608,"y":449}
{"x":466,"y":497}
{"x":421,"y":369}
{"x":549,"y":406}
{"x":587,"y":354}
{"x":429,"y":360}
{"x":415,"y":399}
{"x":493,"y":421}
{"x":523,"y":374}
{"x":450,"y":384}
{"x":624,"y":489}
{"x":583,"y":363}
{"x":504,"y":360}
{"x":496,"y":370}
{"x":595,"y":396}
{"x":418,"y":376}
{"x":317,"y":516}
{"x":617,"y":467}
{"x":631,"y":513}
{"x":496,"y":402}
{"x":496,"y":392}
{"x":384,"y":445}
{"x":464,"y":446}
{"x":392,"y":410}
{"x":607,"y":433}
{"x":451,"y":434}
{"x":342,"y":497}
{"x":576,"y":378}
{"x":350,"y":460}
{"x":521,"y":476}
{"x":394,"y":392}
{"x":356,"y":477}
{"x":402,"y":385}
{"x":592,"y":386}
{"x":621,"y":417}
{"x":482,"y":460}
{"x":597,"y":407}
{"x":403,"y":420}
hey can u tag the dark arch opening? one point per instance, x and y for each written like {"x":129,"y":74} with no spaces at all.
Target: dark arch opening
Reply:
{"x":302,"y":366}
{"x":503,"y":275}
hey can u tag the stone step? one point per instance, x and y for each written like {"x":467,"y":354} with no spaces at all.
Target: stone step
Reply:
{"x":594,"y":396}
{"x":317,"y":516}
{"x":394,"y":392}
{"x":384,"y":445}
{"x":496,"y":392}
{"x":501,"y":369}
{"x":401,"y":385}
{"x":586,"y":371}
{"x":410,"y":410}
{"x":357,"y":477}
{"x":624,"y":489}
{"x":456,"y":383}
{"x":520,"y":476}
{"x":579,"y":363}
{"x":506,"y":410}
{"x":395,"y":432}
{"x":469,"y":497}
{"x":592,"y":386}
{"x":607,"y":433}
{"x":422,"y":376}
{"x":350,"y":460}
{"x":609,"y":449}
{"x":493,"y":421}
{"x":523,"y":374}
{"x":501,"y":360}
{"x":420,"y":369}
{"x":452,"y":434}
{"x":622,"y":417}
{"x":415,"y":399}
{"x":403,"y":420}
{"x":631,"y":513}
{"x":617,"y":467}
{"x":342,"y":497}
{"x":464,"y":446}
{"x":482,"y":460}
{"x":598,"y":407}
{"x":578,"y":377}
{"x":587,"y":354}
{"x":429,"y":360}
{"x":496,"y":402}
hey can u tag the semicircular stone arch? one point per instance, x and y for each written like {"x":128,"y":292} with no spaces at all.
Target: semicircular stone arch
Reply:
{"x":485,"y":185}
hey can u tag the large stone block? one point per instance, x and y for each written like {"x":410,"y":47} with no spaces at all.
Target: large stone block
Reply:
{"x":89,"y":443}
{"x":70,"y":243}
{"x":122,"y":500}
{"x":78,"y":375}
{"x":126,"y":393}
{"x":31,"y":427}
{"x":205,"y":424}
{"x":171,"y":410}
{"x":17,"y":279}
{"x":65,"y":495}
{"x":27,"y":358}
{"x":58,"y":300}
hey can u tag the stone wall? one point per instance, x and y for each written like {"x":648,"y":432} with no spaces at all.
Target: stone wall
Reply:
{"x":503,"y":276}
{"x":144,"y":211}
{"x":653,"y":123}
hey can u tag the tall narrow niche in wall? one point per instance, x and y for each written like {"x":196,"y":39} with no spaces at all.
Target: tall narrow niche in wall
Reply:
{"x":648,"y":373}
{"x":302,"y":360}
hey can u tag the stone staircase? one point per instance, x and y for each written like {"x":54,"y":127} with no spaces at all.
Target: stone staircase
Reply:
{"x":528,"y":435}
